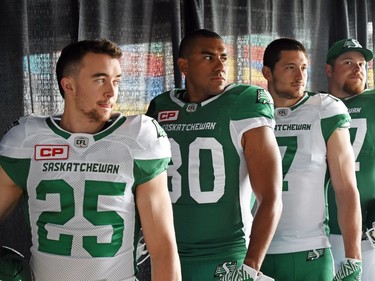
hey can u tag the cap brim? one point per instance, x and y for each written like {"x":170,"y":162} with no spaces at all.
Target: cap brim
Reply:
{"x":367,"y":54}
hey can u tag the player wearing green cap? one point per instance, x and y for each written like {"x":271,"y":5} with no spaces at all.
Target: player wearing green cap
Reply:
{"x":346,"y":72}
{"x":347,"y":45}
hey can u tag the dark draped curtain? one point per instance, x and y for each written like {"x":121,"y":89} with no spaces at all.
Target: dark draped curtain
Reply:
{"x":34,"y":32}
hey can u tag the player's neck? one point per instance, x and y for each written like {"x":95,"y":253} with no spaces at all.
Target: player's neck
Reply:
{"x":87,"y":127}
{"x":343,"y":94}
{"x":191,"y":96}
{"x":286,"y":102}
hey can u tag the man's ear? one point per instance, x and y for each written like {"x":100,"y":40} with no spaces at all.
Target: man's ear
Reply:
{"x":67,"y":84}
{"x":182,"y":65}
{"x":267,"y":74}
{"x":329,"y":70}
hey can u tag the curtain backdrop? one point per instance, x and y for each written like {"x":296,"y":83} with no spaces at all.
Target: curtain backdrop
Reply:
{"x":34,"y":32}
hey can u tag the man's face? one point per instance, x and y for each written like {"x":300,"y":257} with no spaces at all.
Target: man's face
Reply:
{"x":96,"y":86}
{"x":287,"y":81}
{"x":205,"y":69}
{"x":347,"y":75}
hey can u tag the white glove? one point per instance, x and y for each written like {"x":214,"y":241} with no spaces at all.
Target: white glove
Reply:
{"x":245,"y":273}
{"x":370,"y":233}
{"x":351,"y":270}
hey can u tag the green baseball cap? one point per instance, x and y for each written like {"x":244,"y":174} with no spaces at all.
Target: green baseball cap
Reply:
{"x":347,"y":45}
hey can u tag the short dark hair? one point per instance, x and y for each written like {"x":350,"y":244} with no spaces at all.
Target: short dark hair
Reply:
{"x":272,"y":52}
{"x":187,"y":43}
{"x":73,"y":53}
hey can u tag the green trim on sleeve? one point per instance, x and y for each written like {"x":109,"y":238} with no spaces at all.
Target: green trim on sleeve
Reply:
{"x":329,"y":125}
{"x":145,"y":170}
{"x":16,"y":169}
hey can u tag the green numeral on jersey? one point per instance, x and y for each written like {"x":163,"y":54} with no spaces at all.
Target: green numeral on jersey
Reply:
{"x":93,"y":189}
{"x":92,"y":192}
{"x":62,"y":246}
{"x":288,"y":149}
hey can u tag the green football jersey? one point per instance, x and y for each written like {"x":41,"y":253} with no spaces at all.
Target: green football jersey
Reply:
{"x":208,"y":179}
{"x":362,"y":132}
{"x":79,"y":190}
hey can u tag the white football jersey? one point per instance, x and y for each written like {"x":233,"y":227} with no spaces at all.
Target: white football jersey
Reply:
{"x":80,"y":193}
{"x":302,"y":132}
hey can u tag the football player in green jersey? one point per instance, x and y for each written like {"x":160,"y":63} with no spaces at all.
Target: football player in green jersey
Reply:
{"x":90,"y":177}
{"x":223,"y":151}
{"x":346,"y":72}
{"x":313,"y":138}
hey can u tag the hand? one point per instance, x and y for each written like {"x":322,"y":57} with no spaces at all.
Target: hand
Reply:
{"x":351,"y":270}
{"x":245,"y":273}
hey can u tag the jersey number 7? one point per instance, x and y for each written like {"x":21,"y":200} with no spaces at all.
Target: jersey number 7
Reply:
{"x":288,"y":149}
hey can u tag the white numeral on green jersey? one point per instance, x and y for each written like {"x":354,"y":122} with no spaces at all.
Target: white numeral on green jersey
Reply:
{"x":175,"y":191}
{"x":205,"y":163}
{"x":358,"y":129}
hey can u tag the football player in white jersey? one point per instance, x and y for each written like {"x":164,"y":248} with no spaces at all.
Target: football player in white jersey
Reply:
{"x":90,"y":177}
{"x":313,"y":137}
{"x":346,"y":72}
